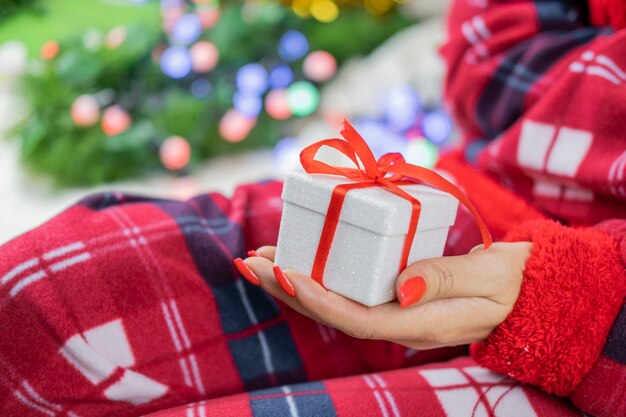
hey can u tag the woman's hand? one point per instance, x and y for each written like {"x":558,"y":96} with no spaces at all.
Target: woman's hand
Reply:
{"x":443,"y":301}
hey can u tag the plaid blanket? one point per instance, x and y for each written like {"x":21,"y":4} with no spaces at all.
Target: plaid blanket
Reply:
{"x":122,"y":306}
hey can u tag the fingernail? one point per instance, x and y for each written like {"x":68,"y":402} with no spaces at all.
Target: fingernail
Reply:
{"x":284,"y":283}
{"x":252,"y":253}
{"x":246,"y":272}
{"x":411,"y":291}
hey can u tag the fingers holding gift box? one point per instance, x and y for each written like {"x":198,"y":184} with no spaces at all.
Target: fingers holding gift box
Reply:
{"x":464,"y":298}
{"x":363,"y":225}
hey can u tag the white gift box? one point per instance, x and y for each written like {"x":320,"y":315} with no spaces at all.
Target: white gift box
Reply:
{"x":367,"y":247}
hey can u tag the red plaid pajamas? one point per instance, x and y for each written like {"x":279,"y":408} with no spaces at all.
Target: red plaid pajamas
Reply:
{"x":541,"y":97}
{"x":125,"y":306}
{"x":122,"y":306}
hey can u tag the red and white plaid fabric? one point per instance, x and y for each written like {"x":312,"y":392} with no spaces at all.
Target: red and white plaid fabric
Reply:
{"x":125,"y":306}
{"x":541,"y":97}
{"x":122,"y":306}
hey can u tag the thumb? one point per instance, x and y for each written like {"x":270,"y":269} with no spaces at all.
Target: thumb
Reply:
{"x":438,"y":278}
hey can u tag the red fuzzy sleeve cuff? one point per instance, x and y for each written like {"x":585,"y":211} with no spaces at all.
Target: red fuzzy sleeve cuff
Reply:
{"x":572,"y":292}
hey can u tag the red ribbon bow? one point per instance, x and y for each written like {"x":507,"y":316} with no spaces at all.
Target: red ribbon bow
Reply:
{"x":388,"y":172}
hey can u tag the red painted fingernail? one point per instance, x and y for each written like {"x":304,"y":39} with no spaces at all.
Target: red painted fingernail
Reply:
{"x":284,"y":283}
{"x":252,"y":253}
{"x":246,"y":272}
{"x":411,"y":291}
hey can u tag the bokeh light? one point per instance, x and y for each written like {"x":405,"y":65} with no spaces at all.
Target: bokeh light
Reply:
{"x":115,"y":37}
{"x":175,"y":153}
{"x":378,"y":7}
{"x":115,"y":120}
{"x":421,"y":152}
{"x":281,"y":76}
{"x":380,"y":138}
{"x":319,"y":66}
{"x":235,"y":127}
{"x":93,"y":40}
{"x":49,"y":50}
{"x":249,"y":105}
{"x":176,"y":62}
{"x":85,"y":111}
{"x":204,"y":56}
{"x":303,"y":98}
{"x":286,"y":153}
{"x":252,"y":79}
{"x":208,"y":15}
{"x":436,"y":126}
{"x":201,"y":88}
{"x":187,"y":29}
{"x":324,"y":10}
{"x":293,"y":45}
{"x":277,"y":105}
{"x":402,"y":106}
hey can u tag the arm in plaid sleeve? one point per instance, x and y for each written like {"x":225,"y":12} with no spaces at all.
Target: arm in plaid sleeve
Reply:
{"x":559,"y":334}
{"x":525,"y":77}
{"x":501,"y":55}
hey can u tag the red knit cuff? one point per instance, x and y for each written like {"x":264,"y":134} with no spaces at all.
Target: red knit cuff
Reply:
{"x":572,"y":292}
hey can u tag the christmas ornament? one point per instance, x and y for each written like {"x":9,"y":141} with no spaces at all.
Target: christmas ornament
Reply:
{"x":281,"y":76}
{"x":303,"y":98}
{"x":293,"y":45}
{"x":252,"y":79}
{"x":115,"y":37}
{"x":115,"y":120}
{"x":319,"y":66}
{"x":175,"y":153}
{"x":176,"y":62}
{"x":49,"y":50}
{"x":324,"y":10}
{"x":85,"y":111}
{"x":277,"y":105}
{"x":436,"y":126}
{"x":234,"y":127}
{"x":204,"y":57}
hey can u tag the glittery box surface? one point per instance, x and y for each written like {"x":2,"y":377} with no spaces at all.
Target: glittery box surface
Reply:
{"x":367,"y":247}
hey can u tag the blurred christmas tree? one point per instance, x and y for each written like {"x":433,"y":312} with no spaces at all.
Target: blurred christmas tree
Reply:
{"x":8,"y":7}
{"x":215,"y":78}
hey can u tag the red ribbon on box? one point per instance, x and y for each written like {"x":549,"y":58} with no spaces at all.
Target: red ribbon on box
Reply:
{"x":388,"y":172}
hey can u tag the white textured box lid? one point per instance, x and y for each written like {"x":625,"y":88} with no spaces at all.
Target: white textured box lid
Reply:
{"x":375,"y":209}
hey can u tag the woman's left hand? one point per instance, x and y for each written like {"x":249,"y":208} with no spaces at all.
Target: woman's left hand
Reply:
{"x":443,"y":301}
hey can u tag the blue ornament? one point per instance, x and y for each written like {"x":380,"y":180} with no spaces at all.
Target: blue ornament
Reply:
{"x":252,"y":79}
{"x":380,"y":138}
{"x":286,"y":153}
{"x":436,"y":126}
{"x":170,"y":3}
{"x":176,"y":62}
{"x":249,"y":105}
{"x":187,"y":29}
{"x":281,"y":76}
{"x":201,"y":88}
{"x":293,"y":45}
{"x":402,"y":108}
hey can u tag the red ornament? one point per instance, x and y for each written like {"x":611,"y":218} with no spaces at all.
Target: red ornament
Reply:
{"x":115,"y":120}
{"x":277,"y":105}
{"x":115,"y":37}
{"x":85,"y":111}
{"x":49,"y":50}
{"x":204,"y":56}
{"x":234,"y":127}
{"x":319,"y":66}
{"x":175,"y":153}
{"x":209,"y":16}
